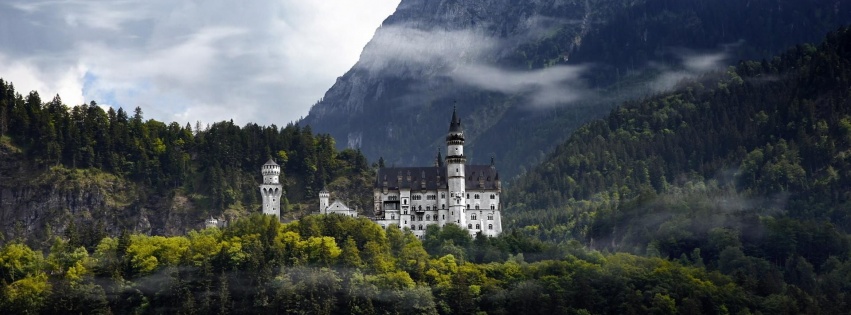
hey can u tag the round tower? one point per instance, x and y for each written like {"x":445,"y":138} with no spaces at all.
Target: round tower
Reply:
{"x":455,"y":161}
{"x":271,"y":189}
{"x":324,"y":195}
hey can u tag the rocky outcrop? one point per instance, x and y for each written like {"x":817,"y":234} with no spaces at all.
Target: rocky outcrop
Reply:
{"x":39,"y":201}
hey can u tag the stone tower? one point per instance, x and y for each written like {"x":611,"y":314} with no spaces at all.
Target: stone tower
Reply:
{"x":455,"y":161}
{"x":324,"y":195}
{"x":271,"y":190}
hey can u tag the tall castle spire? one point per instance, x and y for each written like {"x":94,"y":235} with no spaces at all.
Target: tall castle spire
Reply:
{"x":455,"y":173}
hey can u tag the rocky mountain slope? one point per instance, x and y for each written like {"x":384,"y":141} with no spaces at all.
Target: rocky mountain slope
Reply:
{"x":523,"y":74}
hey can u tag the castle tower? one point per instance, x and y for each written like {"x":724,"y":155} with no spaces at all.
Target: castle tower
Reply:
{"x":271,"y":190}
{"x":324,"y":195}
{"x":455,"y":161}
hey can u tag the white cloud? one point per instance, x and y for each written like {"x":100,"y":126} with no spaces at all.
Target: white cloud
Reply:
{"x":259,"y":61}
{"x":545,"y":87}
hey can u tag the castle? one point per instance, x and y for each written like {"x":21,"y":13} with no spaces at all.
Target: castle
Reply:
{"x":466,"y":195}
{"x":415,"y":197}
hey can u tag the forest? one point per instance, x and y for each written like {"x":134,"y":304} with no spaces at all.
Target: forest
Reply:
{"x":215,"y":167}
{"x":332,"y":264}
{"x":727,"y":196}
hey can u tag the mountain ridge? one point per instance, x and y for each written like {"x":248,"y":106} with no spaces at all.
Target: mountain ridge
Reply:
{"x":539,"y":67}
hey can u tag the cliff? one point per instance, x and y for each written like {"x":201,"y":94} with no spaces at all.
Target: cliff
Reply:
{"x":36,"y":202}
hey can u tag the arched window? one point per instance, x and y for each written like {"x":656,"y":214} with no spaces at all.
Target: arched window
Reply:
{"x":468,"y":206}
{"x":493,"y":196}
{"x":477,"y":226}
{"x":443,"y":206}
{"x":421,"y":227}
{"x":493,"y":207}
{"x":476,"y":196}
{"x":405,"y":201}
{"x":477,"y":207}
{"x":428,"y":217}
{"x":473,"y":216}
{"x":469,"y":226}
{"x":490,"y":226}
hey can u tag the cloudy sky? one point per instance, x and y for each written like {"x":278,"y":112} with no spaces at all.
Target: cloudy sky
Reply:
{"x":261,"y":61}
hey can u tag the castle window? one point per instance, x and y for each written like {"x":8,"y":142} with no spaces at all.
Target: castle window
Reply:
{"x":393,"y":198}
{"x":477,"y":207}
{"x":428,"y":217}
{"x":468,"y":206}
{"x":443,"y":217}
{"x":405,"y":201}
{"x":469,"y":226}
{"x":490,"y":216}
{"x":493,"y":196}
{"x":442,"y":195}
{"x":476,"y":196}
{"x":490,"y":226}
{"x":473,"y":216}
{"x":443,"y":206}
{"x":468,"y":196}
{"x":421,"y":227}
{"x":493,"y":207}
{"x":392,"y":217}
{"x":477,"y":227}
{"x":421,"y":208}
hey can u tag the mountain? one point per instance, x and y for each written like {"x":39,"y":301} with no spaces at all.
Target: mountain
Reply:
{"x":524,"y":74}
{"x":757,"y":157}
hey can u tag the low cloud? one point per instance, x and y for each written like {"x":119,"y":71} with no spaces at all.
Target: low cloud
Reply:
{"x":692,"y":64}
{"x":544,"y":87}
{"x":468,"y":57}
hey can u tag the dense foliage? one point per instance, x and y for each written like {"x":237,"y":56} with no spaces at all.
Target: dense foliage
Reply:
{"x":753,"y":164}
{"x":216,"y":165}
{"x":339,"y":265}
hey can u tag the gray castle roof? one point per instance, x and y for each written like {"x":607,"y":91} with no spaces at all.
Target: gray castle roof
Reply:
{"x":477,"y":177}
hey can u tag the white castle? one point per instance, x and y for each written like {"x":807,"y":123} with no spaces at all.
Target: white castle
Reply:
{"x":457,"y":193}
{"x":271,"y":189}
{"x":416,"y":197}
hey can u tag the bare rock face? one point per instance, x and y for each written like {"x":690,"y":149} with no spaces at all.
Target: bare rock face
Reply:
{"x":36,"y":203}
{"x":523,"y":74}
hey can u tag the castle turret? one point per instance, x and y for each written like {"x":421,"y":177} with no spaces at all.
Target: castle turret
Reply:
{"x":324,"y":196}
{"x":271,"y":189}
{"x":455,"y":162}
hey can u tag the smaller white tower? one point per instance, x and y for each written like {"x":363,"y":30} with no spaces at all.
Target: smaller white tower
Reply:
{"x":271,"y":189}
{"x":323,"y":201}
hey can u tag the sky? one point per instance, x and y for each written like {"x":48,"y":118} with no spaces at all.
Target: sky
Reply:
{"x":259,"y":61}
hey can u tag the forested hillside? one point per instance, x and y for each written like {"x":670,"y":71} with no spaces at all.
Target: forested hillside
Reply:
{"x":339,"y":265}
{"x":101,"y":171}
{"x":752,"y":163}
{"x":525,"y":74}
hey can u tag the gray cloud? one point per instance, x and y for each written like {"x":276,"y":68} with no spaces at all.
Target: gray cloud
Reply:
{"x":261,"y":61}
{"x":545,"y":87}
{"x":467,"y":56}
